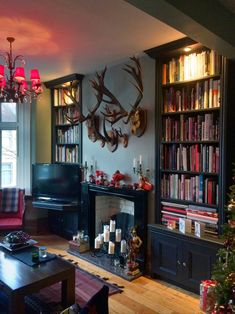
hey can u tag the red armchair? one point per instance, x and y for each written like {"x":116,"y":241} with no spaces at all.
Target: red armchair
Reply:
{"x":12,"y":207}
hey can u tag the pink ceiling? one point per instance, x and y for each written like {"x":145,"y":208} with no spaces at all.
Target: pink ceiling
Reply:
{"x":66,"y":36}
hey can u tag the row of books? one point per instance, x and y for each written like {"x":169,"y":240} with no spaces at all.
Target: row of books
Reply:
{"x":202,"y":95}
{"x":194,"y":157}
{"x":70,"y":135}
{"x":191,"y":66}
{"x":172,"y":212}
{"x":194,"y":188}
{"x":60,"y":115}
{"x":61,"y":97}
{"x":66,"y":154}
{"x":191,"y":128}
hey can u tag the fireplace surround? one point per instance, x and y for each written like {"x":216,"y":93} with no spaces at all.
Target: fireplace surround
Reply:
{"x":87,"y":215}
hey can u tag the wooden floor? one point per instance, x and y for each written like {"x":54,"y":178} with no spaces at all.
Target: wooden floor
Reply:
{"x":143,"y":295}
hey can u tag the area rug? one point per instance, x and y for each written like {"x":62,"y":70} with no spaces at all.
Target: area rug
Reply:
{"x":86,"y":285}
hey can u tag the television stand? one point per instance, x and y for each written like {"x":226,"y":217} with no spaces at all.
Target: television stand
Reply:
{"x":62,"y":216}
{"x":56,"y":205}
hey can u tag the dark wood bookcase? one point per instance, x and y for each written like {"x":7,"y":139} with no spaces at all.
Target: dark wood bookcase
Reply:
{"x":195,"y":136}
{"x":66,"y":136}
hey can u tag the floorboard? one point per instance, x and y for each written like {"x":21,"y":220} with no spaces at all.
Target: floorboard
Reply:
{"x":141,"y":296}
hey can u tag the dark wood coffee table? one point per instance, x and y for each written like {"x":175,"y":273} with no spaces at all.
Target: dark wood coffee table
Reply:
{"x":18,"y":279}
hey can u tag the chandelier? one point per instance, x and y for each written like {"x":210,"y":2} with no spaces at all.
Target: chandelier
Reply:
{"x":14,"y":87}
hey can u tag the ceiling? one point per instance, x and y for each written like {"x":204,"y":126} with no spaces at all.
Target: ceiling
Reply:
{"x":61,"y":37}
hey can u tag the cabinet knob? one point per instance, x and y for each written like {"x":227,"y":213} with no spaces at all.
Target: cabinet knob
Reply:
{"x":184,"y":264}
{"x":178,"y":262}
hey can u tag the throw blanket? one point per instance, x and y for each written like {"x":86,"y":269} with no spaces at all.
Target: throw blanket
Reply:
{"x":9,"y":200}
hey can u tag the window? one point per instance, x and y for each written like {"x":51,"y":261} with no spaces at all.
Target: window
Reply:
{"x":15,"y":163}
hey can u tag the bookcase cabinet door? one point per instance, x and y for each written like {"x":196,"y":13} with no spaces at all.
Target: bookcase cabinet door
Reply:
{"x":181,"y":259}
{"x":165,"y":256}
{"x":197,"y":263}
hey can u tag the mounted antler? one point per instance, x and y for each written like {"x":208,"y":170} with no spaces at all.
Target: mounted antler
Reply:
{"x":136,"y":74}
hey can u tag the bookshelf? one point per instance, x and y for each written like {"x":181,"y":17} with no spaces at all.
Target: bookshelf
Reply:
{"x":66,"y":136}
{"x":194,"y":133}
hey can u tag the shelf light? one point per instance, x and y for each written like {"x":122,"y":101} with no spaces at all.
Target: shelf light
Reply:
{"x":187,"y":49}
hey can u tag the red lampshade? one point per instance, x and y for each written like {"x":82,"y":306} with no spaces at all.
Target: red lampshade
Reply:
{"x":19,"y":75}
{"x":34,"y":75}
{"x":1,"y":71}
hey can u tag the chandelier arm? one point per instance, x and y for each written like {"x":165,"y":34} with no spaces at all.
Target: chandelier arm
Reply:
{"x":5,"y":56}
{"x":20,"y":58}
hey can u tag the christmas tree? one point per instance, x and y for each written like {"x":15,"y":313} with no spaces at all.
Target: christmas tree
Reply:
{"x":224,"y":269}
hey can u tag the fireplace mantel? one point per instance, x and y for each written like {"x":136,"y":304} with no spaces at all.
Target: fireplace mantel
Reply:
{"x":88,"y":210}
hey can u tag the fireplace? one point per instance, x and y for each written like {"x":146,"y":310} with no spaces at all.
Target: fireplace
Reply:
{"x":128,"y":207}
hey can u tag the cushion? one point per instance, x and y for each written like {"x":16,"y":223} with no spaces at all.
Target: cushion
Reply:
{"x":10,"y":223}
{"x":9,"y":200}
{"x":98,"y":304}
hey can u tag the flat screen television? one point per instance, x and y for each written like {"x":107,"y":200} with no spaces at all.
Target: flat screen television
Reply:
{"x":56,"y":182}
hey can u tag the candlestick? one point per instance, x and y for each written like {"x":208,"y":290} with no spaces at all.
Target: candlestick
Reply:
{"x":111,"y":247}
{"x":134,"y":163}
{"x":118,"y":235}
{"x":140,"y":160}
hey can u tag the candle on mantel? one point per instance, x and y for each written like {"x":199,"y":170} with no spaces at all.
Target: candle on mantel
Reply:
{"x":118,"y":235}
{"x":134,"y":163}
{"x":97,"y":243}
{"x":123,"y":246}
{"x":111,"y":247}
{"x":106,"y":235}
{"x":140,"y":160}
{"x":112,"y":225}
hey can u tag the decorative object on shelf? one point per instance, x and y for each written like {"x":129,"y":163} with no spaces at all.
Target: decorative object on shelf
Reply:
{"x":199,"y":229}
{"x":116,"y":178}
{"x":100,"y":177}
{"x":14,"y":88}
{"x":185,"y":225}
{"x":223,"y":271}
{"x":134,"y":245}
{"x":143,"y":183}
{"x":113,"y":111}
{"x":80,"y":242}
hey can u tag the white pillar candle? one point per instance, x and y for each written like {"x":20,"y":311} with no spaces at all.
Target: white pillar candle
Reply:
{"x":112,"y":225}
{"x":111,"y":247}
{"x":140,"y":159}
{"x":106,"y":227}
{"x":106,"y":236}
{"x":134,"y":163}
{"x":118,"y":235}
{"x":97,"y":243}
{"x":123,"y":246}
{"x":101,"y":238}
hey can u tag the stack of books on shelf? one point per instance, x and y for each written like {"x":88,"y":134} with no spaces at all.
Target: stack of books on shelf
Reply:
{"x":70,"y":135}
{"x":196,"y":128}
{"x":174,"y":211}
{"x":194,"y":188}
{"x":194,"y":157}
{"x":192,"y":66}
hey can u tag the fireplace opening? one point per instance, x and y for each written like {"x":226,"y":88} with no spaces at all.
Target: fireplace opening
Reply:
{"x":116,"y":208}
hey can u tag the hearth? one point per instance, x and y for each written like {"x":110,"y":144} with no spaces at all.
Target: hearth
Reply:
{"x":126,"y":206}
